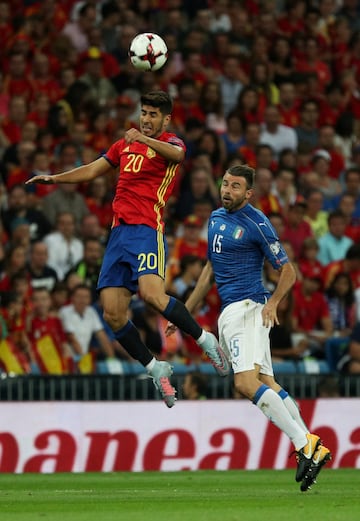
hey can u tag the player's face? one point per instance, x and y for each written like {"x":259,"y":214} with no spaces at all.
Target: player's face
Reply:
{"x":234,"y":193}
{"x":152,"y":121}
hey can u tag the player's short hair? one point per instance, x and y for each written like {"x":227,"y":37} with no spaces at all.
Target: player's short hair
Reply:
{"x":158,"y":99}
{"x":244,"y":171}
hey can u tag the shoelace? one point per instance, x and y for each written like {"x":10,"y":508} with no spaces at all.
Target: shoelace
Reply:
{"x":166,"y":387}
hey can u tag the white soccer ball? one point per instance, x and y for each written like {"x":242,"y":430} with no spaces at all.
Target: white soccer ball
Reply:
{"x":148,"y":52}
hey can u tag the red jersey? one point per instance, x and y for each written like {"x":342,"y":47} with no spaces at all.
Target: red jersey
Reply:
{"x":310,"y":310}
{"x":145,"y":183}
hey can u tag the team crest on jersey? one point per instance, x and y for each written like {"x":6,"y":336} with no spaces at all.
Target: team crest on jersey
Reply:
{"x":223,"y":227}
{"x":150,"y":153}
{"x":275,"y":247}
{"x":238,"y":232}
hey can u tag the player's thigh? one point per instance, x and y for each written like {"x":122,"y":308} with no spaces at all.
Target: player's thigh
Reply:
{"x":244,"y":337}
{"x":270,"y":382}
{"x":152,"y":291}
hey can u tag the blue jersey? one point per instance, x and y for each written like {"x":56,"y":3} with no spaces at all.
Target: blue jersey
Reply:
{"x":238,"y":244}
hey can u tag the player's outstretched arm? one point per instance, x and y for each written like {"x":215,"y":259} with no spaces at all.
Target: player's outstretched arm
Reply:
{"x":81,"y":174}
{"x":202,"y":287}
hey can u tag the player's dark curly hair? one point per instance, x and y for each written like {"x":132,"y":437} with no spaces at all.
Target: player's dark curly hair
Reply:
{"x":158,"y":99}
{"x":244,"y":171}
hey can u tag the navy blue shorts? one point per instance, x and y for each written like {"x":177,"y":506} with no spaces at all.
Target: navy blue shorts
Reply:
{"x":133,"y":250}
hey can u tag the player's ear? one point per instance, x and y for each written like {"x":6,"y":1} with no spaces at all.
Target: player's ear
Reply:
{"x":249,"y":193}
{"x":167,"y":120}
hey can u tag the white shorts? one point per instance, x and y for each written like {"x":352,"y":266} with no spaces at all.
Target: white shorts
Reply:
{"x":244,"y":338}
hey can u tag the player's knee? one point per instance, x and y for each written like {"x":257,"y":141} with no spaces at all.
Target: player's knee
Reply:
{"x":155,"y":300}
{"x":114,"y":320}
{"x":243,"y":389}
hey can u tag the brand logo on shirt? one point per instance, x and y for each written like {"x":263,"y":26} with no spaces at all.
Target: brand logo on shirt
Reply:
{"x":238,"y":232}
{"x":126,"y":149}
{"x":150,"y":153}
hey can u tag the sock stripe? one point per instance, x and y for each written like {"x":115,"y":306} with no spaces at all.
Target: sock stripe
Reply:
{"x":262,"y":389}
{"x":283,"y":394}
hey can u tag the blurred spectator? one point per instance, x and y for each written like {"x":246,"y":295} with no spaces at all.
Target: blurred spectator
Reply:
{"x":341,"y":302}
{"x":312,"y":62}
{"x":189,"y":244}
{"x":350,"y":264}
{"x":314,"y":213}
{"x":14,"y":316}
{"x":284,"y":345}
{"x":311,"y":316}
{"x":327,"y":142}
{"x":90,"y":229}
{"x":232,"y":81}
{"x":247,"y":151}
{"x":352,"y":186}
{"x":307,"y":130}
{"x":284,"y":188}
{"x":46,"y":334}
{"x":80,"y":322}
{"x":41,"y":275}
{"x":347,"y":207}
{"x":88,"y":268}
{"x":318,"y":176}
{"x":288,"y":104}
{"x":296,"y":228}
{"x":265,"y":157}
{"x":66,"y":198}
{"x":14,"y":261}
{"x":64,"y":248}
{"x":264,"y":199}
{"x":210,"y":102}
{"x":102,"y":91}
{"x":351,"y":364}
{"x":42,"y":79}
{"x":17,"y":81}
{"x":247,"y":106}
{"x":77,"y":31}
{"x":195,"y":386}
{"x":308,"y":262}
{"x":18,"y":209}
{"x":11,"y":126}
{"x":261,"y":79}
{"x":211,"y":144}
{"x":334,"y":244}
{"x":186,"y":105}
{"x":200,"y":186}
{"x":282,"y":64}
{"x":233,"y":136}
{"x":275,"y":134}
{"x":190,"y":269}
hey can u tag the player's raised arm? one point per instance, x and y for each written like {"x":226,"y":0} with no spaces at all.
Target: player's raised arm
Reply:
{"x":169,"y":151}
{"x":81,"y":174}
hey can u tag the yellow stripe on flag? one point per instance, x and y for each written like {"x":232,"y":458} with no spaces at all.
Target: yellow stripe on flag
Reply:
{"x":8,"y":358}
{"x":49,"y":355}
{"x":86,"y":364}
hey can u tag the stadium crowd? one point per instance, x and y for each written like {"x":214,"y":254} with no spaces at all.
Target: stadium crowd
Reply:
{"x":270,"y":83}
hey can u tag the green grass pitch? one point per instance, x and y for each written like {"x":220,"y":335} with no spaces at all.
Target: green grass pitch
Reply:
{"x":180,"y":496}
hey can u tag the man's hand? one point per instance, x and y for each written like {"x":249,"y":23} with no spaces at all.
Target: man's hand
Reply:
{"x":41,"y":179}
{"x":269,"y":315}
{"x":133,"y":134}
{"x":170,"y":329}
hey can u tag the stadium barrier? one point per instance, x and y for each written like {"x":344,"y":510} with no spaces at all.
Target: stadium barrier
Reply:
{"x":138,"y":386}
{"x":48,"y":437}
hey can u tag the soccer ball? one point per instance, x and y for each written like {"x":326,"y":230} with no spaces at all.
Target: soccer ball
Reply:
{"x":148,"y":52}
